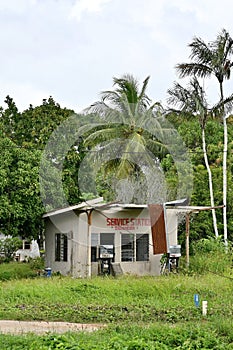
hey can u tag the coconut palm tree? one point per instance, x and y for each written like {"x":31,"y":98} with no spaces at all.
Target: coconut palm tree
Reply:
{"x":213,"y":59}
{"x":124,"y":133}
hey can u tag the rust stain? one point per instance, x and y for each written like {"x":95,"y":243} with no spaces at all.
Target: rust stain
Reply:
{"x":158,"y":230}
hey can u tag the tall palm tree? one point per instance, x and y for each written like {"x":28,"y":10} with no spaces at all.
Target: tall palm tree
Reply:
{"x":209,"y":59}
{"x":125,"y":112}
{"x":213,"y":59}
{"x":192,"y":101}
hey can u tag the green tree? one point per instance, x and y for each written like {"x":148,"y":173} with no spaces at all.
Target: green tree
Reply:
{"x":23,"y":138}
{"x":209,"y":59}
{"x":8,"y":246}
{"x":125,"y":113}
{"x":20,"y":203}
{"x":192,"y":102}
{"x":34,"y":125}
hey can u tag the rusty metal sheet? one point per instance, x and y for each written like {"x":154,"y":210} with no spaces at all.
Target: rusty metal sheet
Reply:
{"x":158,"y":229}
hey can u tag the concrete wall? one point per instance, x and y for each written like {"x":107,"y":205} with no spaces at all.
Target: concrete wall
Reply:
{"x":66,"y":223}
{"x":80,"y":257}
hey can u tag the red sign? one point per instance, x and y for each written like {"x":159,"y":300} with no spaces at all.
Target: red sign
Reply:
{"x":127,"y":223}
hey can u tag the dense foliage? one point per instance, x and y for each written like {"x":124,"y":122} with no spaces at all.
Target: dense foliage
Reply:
{"x":125,"y":114}
{"x":20,"y":202}
{"x":23,"y":137}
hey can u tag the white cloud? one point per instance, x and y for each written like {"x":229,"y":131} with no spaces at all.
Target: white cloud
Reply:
{"x":84,"y":6}
{"x":16,"y":6}
{"x":23,"y":94}
{"x":45,"y":53}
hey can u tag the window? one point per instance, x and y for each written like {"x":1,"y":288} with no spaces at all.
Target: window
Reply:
{"x":142,"y":247}
{"x":134,"y":247}
{"x":27,"y":245}
{"x":127,"y":247}
{"x":98,"y":239}
{"x":61,"y":247}
{"x":94,"y":244}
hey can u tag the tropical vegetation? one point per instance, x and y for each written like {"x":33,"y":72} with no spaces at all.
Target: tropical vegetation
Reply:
{"x":214,"y":58}
{"x":121,"y":142}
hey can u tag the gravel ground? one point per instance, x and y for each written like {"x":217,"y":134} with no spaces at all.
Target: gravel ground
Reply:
{"x":41,"y":327}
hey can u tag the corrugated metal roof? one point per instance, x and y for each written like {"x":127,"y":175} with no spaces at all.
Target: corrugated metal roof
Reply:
{"x":183,"y":201}
{"x":86,"y":205}
{"x":195,"y":209}
{"x":98,"y":204}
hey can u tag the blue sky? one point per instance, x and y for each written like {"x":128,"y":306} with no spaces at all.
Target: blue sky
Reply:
{"x":71,"y":49}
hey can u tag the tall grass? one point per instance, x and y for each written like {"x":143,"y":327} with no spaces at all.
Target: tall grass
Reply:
{"x":156,"y":336}
{"x":140,"y":312}
{"x":128,"y":299}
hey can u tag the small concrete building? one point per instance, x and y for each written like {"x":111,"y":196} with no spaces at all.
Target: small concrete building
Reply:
{"x":81,"y":239}
{"x":29,"y":249}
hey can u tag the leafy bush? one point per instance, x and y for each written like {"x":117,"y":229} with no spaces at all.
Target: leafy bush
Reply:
{"x":210,"y":255}
{"x":37,"y":264}
{"x":208,"y":245}
{"x":153,"y":337}
{"x":16,"y":270}
{"x":8,"y":247}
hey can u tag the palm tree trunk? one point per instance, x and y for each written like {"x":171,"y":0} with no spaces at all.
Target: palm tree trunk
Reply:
{"x":224,"y":170}
{"x":210,"y":183}
{"x":225,"y":179}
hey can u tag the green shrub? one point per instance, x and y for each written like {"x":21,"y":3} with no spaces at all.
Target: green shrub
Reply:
{"x":208,"y":245}
{"x":37,"y":264}
{"x":16,"y":270}
{"x":210,"y":255}
{"x":8,"y":247}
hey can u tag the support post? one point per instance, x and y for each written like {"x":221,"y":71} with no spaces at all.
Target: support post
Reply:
{"x":187,"y":238}
{"x":89,"y":223}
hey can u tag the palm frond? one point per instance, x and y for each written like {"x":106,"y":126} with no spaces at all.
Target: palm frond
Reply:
{"x":87,"y":128}
{"x":156,"y":147}
{"x":223,"y":107}
{"x":187,"y":69}
{"x":224,"y":45}
{"x":143,"y":98}
{"x":103,"y":110}
{"x":200,"y":52}
{"x":127,"y":85}
{"x":112,"y":97}
{"x":178,"y":96}
{"x":189,"y":101}
{"x":105,"y":134}
{"x":98,"y":107}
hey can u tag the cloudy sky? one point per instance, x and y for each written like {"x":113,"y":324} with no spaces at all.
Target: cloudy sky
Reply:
{"x":71,"y":49}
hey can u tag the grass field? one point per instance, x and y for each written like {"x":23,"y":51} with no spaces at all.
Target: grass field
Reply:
{"x":140,"y":313}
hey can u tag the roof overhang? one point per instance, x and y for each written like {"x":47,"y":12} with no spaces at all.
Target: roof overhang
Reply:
{"x":98,"y":204}
{"x":195,"y":209}
{"x":89,"y":204}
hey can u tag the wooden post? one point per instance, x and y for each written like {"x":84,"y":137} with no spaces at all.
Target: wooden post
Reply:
{"x":89,"y":223}
{"x":187,"y":238}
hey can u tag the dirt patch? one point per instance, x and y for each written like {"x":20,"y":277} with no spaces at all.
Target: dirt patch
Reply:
{"x":41,"y":327}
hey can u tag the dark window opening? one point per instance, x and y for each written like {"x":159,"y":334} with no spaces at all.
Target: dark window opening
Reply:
{"x":127,"y":247}
{"x":61,"y":247}
{"x":27,"y":245}
{"x":134,"y":247}
{"x":142,"y":247}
